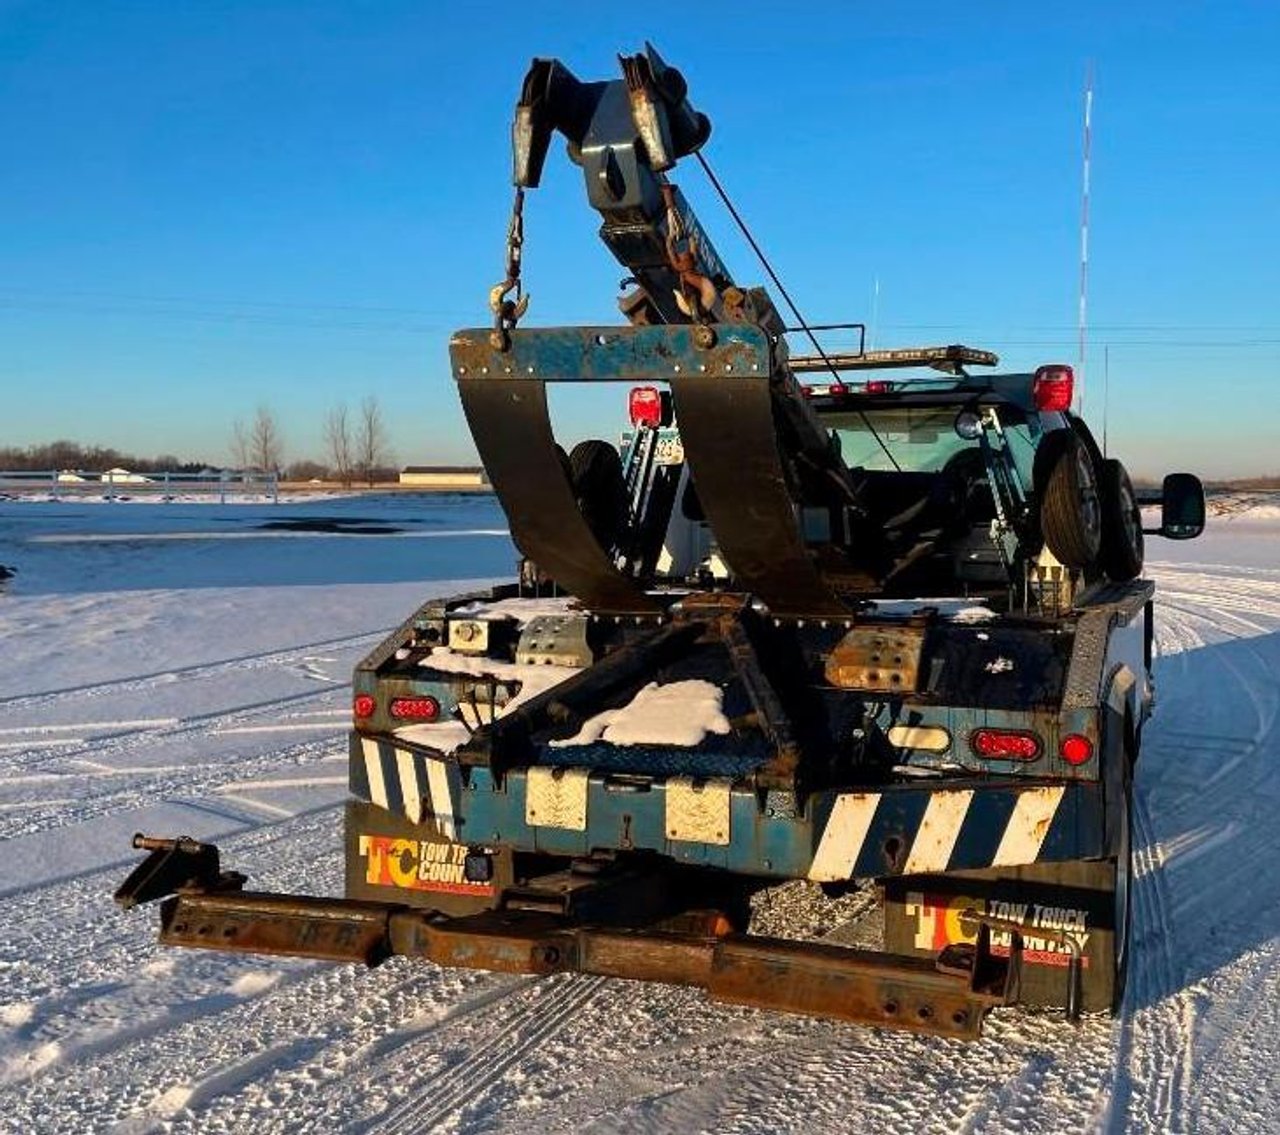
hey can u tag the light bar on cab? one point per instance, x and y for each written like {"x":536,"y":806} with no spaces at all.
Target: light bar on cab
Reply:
{"x":940,"y":358}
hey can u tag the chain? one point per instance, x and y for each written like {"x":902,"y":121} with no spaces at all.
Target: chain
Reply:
{"x":697,"y":294}
{"x":507,"y":300}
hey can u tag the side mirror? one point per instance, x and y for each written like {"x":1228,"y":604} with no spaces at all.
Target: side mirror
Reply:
{"x":1181,"y":508}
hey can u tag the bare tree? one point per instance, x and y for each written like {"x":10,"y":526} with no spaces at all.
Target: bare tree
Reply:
{"x":240,"y":444}
{"x":371,"y":439}
{"x":266,"y":447}
{"x":337,"y":436}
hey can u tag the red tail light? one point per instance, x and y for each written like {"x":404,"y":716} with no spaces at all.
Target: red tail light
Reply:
{"x":1075,"y":749}
{"x":363,"y":705}
{"x":879,"y":386}
{"x":837,"y":388}
{"x":1054,"y":387}
{"x":415,"y":709}
{"x":1005,"y":744}
{"x":644,"y":405}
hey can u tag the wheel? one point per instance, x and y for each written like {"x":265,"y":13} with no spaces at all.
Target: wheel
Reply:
{"x":596,"y":474}
{"x":1070,"y":507}
{"x":1122,"y":543}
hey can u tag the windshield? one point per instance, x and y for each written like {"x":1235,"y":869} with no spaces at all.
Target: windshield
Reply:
{"x":921,"y":438}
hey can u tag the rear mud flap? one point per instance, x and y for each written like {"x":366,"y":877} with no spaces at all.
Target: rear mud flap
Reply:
{"x":923,"y":915}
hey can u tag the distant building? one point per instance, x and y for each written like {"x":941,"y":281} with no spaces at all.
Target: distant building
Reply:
{"x":444,"y":476}
{"x":69,"y":477}
{"x":125,"y":477}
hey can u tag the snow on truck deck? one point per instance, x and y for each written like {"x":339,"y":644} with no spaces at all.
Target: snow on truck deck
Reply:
{"x":200,"y":686}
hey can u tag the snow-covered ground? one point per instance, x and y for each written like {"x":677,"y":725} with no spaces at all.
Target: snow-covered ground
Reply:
{"x":178,"y":668}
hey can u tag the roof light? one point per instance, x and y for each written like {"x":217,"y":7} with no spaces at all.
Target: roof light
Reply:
{"x":1005,"y":744}
{"x":415,"y":709}
{"x":644,"y":405}
{"x":1054,"y":387}
{"x":363,"y":705}
{"x":1075,"y":748}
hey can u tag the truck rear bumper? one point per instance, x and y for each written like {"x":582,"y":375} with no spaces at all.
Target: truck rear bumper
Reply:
{"x":927,"y":827}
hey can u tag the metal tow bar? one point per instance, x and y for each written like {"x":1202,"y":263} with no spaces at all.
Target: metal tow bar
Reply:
{"x":946,"y":997}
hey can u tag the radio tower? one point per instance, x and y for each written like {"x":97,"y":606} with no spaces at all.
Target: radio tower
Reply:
{"x":1084,"y":234}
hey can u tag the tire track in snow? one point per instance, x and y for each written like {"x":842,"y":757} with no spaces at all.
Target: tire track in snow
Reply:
{"x":158,"y":678}
{"x":549,"y":1005}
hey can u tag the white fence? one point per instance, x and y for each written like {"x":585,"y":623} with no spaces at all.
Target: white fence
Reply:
{"x":119,"y":485}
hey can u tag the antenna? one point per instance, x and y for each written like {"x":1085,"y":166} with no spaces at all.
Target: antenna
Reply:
{"x":1084,"y":231}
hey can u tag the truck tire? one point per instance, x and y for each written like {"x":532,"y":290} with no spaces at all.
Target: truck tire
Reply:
{"x":1122,"y":543}
{"x":1070,"y":506}
{"x":596,"y":473}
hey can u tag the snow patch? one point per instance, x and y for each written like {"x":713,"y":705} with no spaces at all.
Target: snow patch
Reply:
{"x":442,"y":736}
{"x":952,"y":609}
{"x":679,"y":713}
{"x":159,"y":967}
{"x":16,"y":1014}
{"x":522,"y":610}
{"x":173,"y":1100}
{"x":252,"y":983}
{"x":32,"y":1063}
{"x":533,"y":679}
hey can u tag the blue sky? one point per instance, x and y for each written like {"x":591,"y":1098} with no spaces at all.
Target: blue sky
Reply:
{"x":205,"y":206}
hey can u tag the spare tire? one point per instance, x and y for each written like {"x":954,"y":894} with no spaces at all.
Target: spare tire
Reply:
{"x":1122,"y":543}
{"x":595,"y":470}
{"x":1070,"y":506}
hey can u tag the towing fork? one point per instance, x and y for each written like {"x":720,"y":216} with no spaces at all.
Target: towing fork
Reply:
{"x":206,"y":908}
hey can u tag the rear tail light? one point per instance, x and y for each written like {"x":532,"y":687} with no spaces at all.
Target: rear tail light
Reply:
{"x":1005,"y":744}
{"x":415,"y":709}
{"x":363,"y":705}
{"x":1054,"y":387}
{"x":644,"y":406}
{"x":1075,"y":749}
{"x":878,"y":386}
{"x":836,"y":389}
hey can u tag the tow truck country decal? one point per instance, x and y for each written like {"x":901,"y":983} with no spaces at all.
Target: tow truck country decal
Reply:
{"x":856,"y":835}
{"x":418,"y":865}
{"x":940,"y":922}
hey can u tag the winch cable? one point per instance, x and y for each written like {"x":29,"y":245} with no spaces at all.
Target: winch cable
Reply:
{"x":800,"y":319}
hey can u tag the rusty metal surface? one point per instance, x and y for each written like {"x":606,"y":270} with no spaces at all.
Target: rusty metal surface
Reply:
{"x":878,"y":659}
{"x":610,"y":354}
{"x":850,"y":984}
{"x":338,"y":930}
{"x":946,"y":999}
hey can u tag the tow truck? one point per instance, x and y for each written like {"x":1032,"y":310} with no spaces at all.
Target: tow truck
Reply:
{"x":884,"y":628}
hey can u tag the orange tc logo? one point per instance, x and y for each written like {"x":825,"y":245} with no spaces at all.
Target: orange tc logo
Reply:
{"x":418,"y":865}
